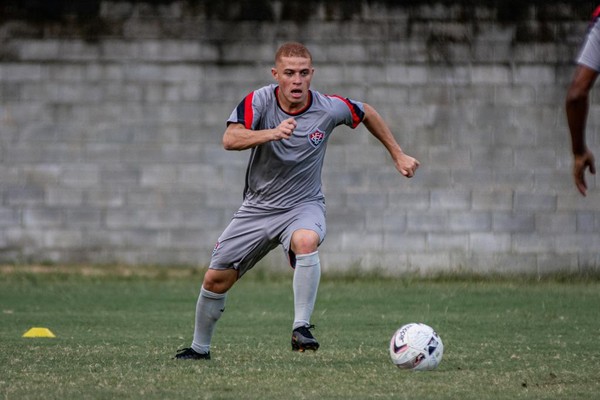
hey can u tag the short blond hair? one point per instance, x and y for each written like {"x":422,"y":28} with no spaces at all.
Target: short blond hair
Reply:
{"x":292,"y":49}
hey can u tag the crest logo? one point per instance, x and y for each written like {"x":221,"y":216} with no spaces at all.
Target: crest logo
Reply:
{"x":316,"y":138}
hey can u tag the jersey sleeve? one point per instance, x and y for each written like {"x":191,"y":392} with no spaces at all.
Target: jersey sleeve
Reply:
{"x":244,"y":112}
{"x":590,"y":52}
{"x":250,"y":109}
{"x":347,"y":111}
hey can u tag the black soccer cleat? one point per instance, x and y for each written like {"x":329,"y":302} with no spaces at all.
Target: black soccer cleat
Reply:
{"x":303,"y":340}
{"x":190,"y":354}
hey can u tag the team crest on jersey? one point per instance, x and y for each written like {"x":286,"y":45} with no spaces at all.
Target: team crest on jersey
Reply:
{"x":316,"y":138}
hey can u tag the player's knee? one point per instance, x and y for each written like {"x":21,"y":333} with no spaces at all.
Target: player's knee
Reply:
{"x":219,"y":281}
{"x":304,"y":241}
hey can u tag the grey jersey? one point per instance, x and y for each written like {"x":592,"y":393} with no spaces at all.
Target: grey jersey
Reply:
{"x":590,"y":52}
{"x":284,"y":173}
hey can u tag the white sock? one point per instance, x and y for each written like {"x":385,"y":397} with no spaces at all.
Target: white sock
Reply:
{"x":306,"y":282}
{"x":209,"y":308}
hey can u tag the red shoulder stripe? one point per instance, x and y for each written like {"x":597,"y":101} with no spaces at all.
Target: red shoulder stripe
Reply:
{"x":248,"y":112}
{"x":357,"y":115}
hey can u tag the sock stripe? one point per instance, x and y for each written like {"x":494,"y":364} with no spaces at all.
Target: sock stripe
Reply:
{"x":307,"y":260}
{"x":212,"y":295}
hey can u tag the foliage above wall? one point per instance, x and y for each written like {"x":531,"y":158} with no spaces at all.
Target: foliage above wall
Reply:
{"x":96,"y":19}
{"x":270,"y":10}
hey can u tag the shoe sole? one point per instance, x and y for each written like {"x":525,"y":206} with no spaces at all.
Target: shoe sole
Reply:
{"x":303,"y":348}
{"x":191,"y":358}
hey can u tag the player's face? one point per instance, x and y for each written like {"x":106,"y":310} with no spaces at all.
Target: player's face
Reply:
{"x":293,"y":75}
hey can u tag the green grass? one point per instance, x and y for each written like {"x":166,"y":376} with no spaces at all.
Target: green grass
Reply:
{"x":117,"y":334}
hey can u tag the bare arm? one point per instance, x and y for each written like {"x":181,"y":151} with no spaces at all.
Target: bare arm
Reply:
{"x":577,"y":106}
{"x":237,"y":137}
{"x":405,"y":164}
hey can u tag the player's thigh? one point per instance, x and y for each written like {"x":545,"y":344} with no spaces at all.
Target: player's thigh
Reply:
{"x":308,"y":217}
{"x":242,"y":244}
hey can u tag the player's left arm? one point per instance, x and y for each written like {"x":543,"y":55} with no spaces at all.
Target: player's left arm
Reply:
{"x":405,"y":164}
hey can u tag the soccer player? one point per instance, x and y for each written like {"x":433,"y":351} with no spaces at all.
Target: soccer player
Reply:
{"x":577,"y":102}
{"x":286,"y":126}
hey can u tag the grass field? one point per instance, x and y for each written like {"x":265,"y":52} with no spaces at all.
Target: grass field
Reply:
{"x":116,"y":334}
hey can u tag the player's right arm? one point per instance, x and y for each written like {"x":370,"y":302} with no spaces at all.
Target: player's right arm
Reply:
{"x":238,"y":137}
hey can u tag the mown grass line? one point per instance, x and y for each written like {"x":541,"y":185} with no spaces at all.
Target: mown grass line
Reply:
{"x":118,"y":331}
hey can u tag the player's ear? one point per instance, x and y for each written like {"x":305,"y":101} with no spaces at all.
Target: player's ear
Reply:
{"x":274,"y":73}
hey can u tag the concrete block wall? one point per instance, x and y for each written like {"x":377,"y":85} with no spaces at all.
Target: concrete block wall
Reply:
{"x":110,"y":146}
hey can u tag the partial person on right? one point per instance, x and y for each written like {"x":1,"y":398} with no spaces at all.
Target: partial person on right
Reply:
{"x":578,"y":103}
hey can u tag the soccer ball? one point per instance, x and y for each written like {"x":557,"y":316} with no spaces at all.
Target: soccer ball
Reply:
{"x":417,"y":347}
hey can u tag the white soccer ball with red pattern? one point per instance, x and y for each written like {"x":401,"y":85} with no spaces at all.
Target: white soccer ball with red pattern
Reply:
{"x":417,"y":347}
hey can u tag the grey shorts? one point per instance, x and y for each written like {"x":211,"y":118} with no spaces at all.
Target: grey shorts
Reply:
{"x":252,"y":234}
